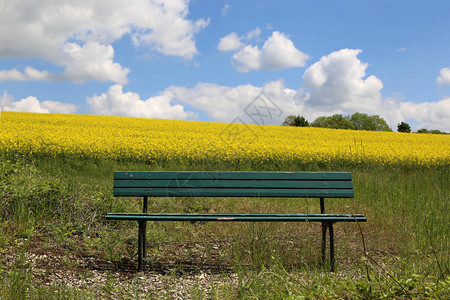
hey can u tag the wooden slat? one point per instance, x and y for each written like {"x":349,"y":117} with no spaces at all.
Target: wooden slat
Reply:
{"x":233,"y":217}
{"x":233,"y":184}
{"x":174,"y":175}
{"x":226,"y":192}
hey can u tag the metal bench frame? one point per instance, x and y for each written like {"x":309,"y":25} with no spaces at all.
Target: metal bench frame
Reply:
{"x":235,"y":184}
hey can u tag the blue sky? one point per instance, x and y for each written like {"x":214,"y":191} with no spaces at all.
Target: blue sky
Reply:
{"x":209,"y":60}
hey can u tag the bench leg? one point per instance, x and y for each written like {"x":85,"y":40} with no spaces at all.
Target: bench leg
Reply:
{"x":324,"y":241}
{"x":144,"y":240}
{"x":141,"y":244}
{"x":144,"y":210}
{"x":324,"y":231}
{"x":330,"y":225}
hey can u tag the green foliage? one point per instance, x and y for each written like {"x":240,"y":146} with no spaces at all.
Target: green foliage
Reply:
{"x":279,"y":283}
{"x":432,"y":131}
{"x":365,"y":122}
{"x":336,"y":121}
{"x":26,"y":196}
{"x":357,"y":121}
{"x":403,"y":127}
{"x":297,"y":121}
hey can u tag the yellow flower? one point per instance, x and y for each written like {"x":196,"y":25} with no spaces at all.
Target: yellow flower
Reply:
{"x":160,"y":141}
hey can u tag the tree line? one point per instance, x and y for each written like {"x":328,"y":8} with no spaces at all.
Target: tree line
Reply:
{"x":357,"y":121}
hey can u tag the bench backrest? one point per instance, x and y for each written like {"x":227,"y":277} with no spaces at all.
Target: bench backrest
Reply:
{"x":234,"y":184}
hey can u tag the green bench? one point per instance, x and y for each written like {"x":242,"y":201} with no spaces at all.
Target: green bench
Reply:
{"x":235,"y":184}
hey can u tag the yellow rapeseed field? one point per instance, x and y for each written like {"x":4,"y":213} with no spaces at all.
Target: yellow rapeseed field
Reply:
{"x":187,"y":142}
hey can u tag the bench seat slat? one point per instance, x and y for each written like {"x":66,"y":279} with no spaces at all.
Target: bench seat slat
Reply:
{"x":224,"y":217}
{"x":234,"y":175}
{"x":145,"y":183}
{"x":230,"y":192}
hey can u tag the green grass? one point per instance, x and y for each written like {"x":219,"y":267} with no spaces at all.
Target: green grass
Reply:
{"x":56,"y":207}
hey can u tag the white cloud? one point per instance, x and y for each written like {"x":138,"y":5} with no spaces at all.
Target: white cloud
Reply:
{"x":224,"y":103}
{"x":277,"y":53}
{"x":92,"y":61}
{"x":32,"y":104}
{"x":337,"y":81}
{"x":13,"y":75}
{"x":444,"y":77}
{"x":430,"y":115}
{"x":28,"y":104}
{"x":248,"y":58}
{"x":47,"y":29}
{"x":230,"y":42}
{"x":253,"y":34}
{"x":233,"y":42}
{"x":115,"y":102}
{"x":29,"y":74}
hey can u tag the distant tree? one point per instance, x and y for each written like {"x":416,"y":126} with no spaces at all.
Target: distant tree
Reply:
{"x":320,"y":122}
{"x":380,"y":124}
{"x":365,"y":122}
{"x":297,"y":121}
{"x":403,"y":127}
{"x":289,"y":121}
{"x":336,"y":121}
{"x":432,"y":131}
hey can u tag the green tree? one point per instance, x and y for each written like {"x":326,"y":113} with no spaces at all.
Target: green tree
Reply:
{"x":423,"y":130}
{"x":403,"y":127}
{"x":365,"y":122}
{"x":298,"y":121}
{"x":336,"y":121}
{"x":432,"y":131}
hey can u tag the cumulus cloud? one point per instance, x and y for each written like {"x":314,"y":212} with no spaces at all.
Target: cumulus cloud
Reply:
{"x":444,"y":77}
{"x":252,"y":35}
{"x":32,"y":104}
{"x":78,"y":35}
{"x":29,"y":74}
{"x":116,"y":102}
{"x":230,"y":42}
{"x":248,"y":58}
{"x":92,"y":61}
{"x":224,"y":103}
{"x":337,"y":80}
{"x":431,"y":115}
{"x":277,"y":53}
{"x":233,"y":42}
